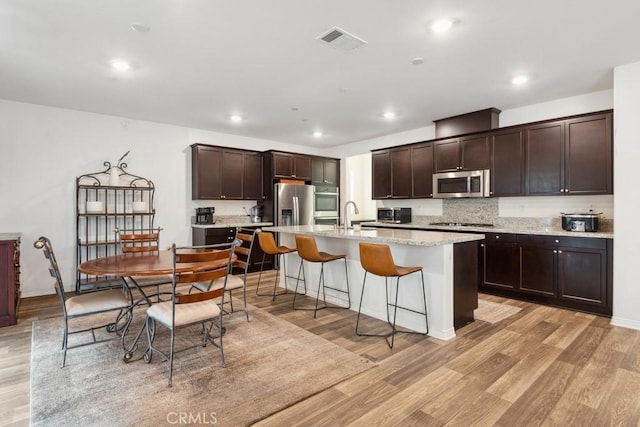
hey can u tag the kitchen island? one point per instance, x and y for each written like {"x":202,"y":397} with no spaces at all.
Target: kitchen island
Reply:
{"x":449,"y":262}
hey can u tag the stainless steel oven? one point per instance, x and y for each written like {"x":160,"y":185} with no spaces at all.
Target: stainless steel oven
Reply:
{"x":326,"y":202}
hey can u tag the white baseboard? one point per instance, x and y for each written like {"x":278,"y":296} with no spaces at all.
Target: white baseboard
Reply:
{"x":625,"y":323}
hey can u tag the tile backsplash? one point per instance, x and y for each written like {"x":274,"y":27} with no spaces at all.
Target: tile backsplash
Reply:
{"x":520,"y":212}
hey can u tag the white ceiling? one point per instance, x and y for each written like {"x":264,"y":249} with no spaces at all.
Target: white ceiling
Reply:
{"x":203,"y":60}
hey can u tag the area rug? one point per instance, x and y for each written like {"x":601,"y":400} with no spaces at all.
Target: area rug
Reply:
{"x":493,"y":312}
{"x":270,"y":365}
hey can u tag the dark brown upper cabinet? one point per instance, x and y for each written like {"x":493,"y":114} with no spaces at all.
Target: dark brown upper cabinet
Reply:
{"x":588,"y":155}
{"x":391,"y":173}
{"x":325,"y":170}
{"x":252,"y":181}
{"x":232,"y":167}
{"x":422,"y":170}
{"x":471,"y":152}
{"x":205,"y":172}
{"x":545,"y":158}
{"x":289,"y":165}
{"x":507,"y":163}
{"x":220,"y":173}
{"x":572,"y":156}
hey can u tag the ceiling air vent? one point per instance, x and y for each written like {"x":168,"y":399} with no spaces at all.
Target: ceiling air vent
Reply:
{"x":340,"y":39}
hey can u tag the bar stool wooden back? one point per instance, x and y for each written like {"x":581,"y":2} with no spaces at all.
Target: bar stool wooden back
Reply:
{"x":378,"y":260}
{"x":269,"y":247}
{"x":308,"y":251}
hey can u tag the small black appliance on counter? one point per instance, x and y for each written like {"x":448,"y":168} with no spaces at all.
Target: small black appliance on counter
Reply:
{"x":205,"y":215}
{"x":394,"y":215}
{"x":580,"y":221}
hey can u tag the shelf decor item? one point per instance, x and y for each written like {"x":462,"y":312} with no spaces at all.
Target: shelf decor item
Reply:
{"x":103,"y":204}
{"x":114,"y":171}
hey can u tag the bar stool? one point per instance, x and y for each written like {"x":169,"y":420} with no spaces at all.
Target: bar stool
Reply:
{"x":269,"y":247}
{"x":308,"y":251}
{"x":377,"y":259}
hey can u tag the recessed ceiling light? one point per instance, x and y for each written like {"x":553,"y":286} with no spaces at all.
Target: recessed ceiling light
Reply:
{"x":120,"y":65}
{"x":389,"y":115}
{"x":417,"y":60}
{"x":235,"y":118}
{"x":295,"y":108}
{"x":317,"y":134}
{"x":519,"y":80}
{"x":441,"y":25}
{"x":140,"y":27}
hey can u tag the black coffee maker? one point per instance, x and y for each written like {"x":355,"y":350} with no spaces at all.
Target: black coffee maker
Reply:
{"x":205,"y":215}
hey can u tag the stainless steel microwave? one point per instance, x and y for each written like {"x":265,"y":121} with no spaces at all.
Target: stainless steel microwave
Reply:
{"x":394,"y":215}
{"x":448,"y":185}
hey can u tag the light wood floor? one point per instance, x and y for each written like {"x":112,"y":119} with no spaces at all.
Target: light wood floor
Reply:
{"x":542,"y":366}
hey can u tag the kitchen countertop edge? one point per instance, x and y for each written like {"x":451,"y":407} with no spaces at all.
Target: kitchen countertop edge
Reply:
{"x":403,"y":237}
{"x":546,"y":232}
{"x":233,"y":224}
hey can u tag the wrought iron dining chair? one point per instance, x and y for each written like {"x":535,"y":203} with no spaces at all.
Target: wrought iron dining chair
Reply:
{"x":88,"y":304}
{"x":245,"y":238}
{"x":142,"y":241}
{"x":209,"y":263}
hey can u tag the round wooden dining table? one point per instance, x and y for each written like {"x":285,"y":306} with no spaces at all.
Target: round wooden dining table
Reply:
{"x":141,"y":264}
{"x":144,"y":264}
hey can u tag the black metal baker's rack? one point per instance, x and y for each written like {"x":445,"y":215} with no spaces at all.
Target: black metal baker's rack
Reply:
{"x":105,"y":200}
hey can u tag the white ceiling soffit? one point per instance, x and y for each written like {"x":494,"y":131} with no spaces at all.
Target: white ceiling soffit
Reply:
{"x":341,"y":39}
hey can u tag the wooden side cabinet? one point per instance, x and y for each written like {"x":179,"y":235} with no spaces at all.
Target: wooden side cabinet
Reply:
{"x":9,"y":278}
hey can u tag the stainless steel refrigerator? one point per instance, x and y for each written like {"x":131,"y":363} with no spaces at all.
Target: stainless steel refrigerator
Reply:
{"x":293,"y":204}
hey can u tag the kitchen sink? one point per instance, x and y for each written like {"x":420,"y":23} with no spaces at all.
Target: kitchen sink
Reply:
{"x":461,"y":224}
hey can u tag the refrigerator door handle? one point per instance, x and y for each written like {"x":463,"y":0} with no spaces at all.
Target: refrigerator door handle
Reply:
{"x":296,"y":212}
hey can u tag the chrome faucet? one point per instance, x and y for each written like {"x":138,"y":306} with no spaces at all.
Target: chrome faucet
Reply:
{"x":346,"y":213}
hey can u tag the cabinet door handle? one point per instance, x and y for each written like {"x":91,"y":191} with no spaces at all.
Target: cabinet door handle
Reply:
{"x":482,"y":245}
{"x":559,"y":252}
{"x":293,"y":175}
{"x":557,"y":241}
{"x":497,"y":237}
{"x":555,"y":251}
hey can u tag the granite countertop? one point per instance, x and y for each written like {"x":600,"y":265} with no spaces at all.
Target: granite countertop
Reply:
{"x":514,"y":230}
{"x":232,"y":224}
{"x":10,"y":236}
{"x":381,"y":235}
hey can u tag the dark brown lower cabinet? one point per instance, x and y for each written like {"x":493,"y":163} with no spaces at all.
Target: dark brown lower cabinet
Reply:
{"x":9,"y":281}
{"x":214,"y":235}
{"x":572,"y":272}
{"x":465,"y":283}
{"x":500,"y":260}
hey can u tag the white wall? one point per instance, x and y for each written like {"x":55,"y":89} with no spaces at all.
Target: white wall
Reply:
{"x":44,"y":149}
{"x":626,"y":290}
{"x":542,"y":207}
